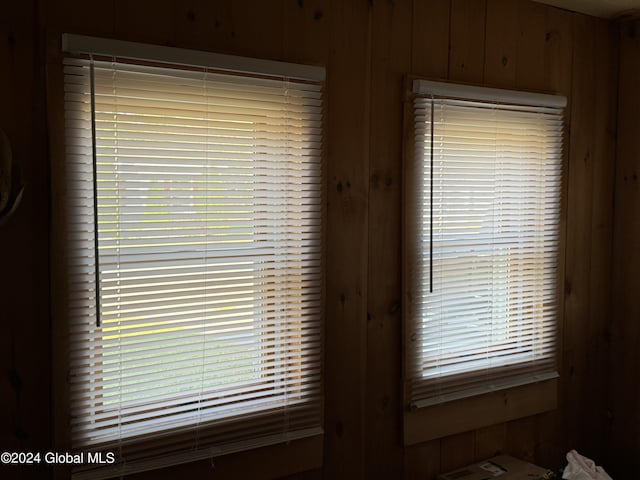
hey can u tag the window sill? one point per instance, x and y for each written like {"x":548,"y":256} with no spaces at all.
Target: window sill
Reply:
{"x":467,"y":414}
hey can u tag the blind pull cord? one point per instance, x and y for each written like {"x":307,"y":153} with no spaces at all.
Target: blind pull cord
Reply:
{"x":431,"y":207}
{"x":95,"y":191}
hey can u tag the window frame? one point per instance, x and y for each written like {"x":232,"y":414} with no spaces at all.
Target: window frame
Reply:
{"x":306,"y":450}
{"x":484,"y":409}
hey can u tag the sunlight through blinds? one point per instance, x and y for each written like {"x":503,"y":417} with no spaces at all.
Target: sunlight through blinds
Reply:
{"x":482,"y":232}
{"x":194,"y":261}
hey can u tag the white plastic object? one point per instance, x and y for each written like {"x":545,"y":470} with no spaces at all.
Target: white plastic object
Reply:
{"x":583,"y":468}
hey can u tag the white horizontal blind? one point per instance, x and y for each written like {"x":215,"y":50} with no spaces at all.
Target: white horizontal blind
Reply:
{"x":482,"y":233}
{"x":201,"y":332}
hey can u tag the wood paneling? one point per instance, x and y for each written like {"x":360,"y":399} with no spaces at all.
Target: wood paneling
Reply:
{"x":265,"y":463}
{"x":368,"y":46}
{"x":623,"y":433}
{"x":471,"y":413}
{"x":430,"y":24}
{"x":456,"y":451}
{"x":467,"y":40}
{"x":349,"y":83}
{"x":531,"y":41}
{"x":25,"y":375}
{"x":422,"y":461}
{"x":501,"y":43}
{"x":490,"y":441}
{"x":390,"y":61}
{"x":589,"y":233}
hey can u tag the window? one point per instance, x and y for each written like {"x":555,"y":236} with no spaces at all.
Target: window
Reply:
{"x":482,"y":221}
{"x":194,"y":234}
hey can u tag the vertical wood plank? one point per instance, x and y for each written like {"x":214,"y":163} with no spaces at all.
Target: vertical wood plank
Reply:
{"x":623,"y":432}
{"x":306,"y":33}
{"x":391,"y":59}
{"x":577,"y":367}
{"x":149,"y":22}
{"x":490,"y":441}
{"x":466,"y":62}
{"x":73,"y":16}
{"x":422,"y":462}
{"x":558,"y":79}
{"x":204,"y":25}
{"x":558,"y":54}
{"x":430,"y":38}
{"x":456,"y":451}
{"x":258,"y":28}
{"x":549,"y":449}
{"x":347,"y":238}
{"x":24,"y":242}
{"x":521,"y":438}
{"x":501,"y":43}
{"x":531,"y":45}
{"x":605,"y":80}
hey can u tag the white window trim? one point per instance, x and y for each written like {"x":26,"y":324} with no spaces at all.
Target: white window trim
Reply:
{"x":86,"y":45}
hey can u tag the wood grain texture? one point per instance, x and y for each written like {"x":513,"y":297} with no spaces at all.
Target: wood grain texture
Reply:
{"x":430,"y":38}
{"x":73,"y":16}
{"x":25,"y":390}
{"x":623,"y":430}
{"x":422,"y":461}
{"x":258,"y":28}
{"x":591,"y":164}
{"x":521,"y":439}
{"x":549,"y":448}
{"x":558,"y":53}
{"x":347,"y":239}
{"x":467,"y":40}
{"x":471,"y":413}
{"x":490,"y":441}
{"x":306,"y":31}
{"x":456,"y":451}
{"x":145,"y":21}
{"x":602,"y":195}
{"x":204,"y":25}
{"x":304,"y":455}
{"x":531,"y":46}
{"x":578,"y":258}
{"x":501,"y":43}
{"x":390,"y":61}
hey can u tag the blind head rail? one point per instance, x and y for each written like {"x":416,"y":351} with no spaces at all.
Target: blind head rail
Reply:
{"x":85,"y":45}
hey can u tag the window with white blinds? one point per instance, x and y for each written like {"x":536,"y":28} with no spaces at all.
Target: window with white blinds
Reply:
{"x":482,"y":220}
{"x":194,"y":235}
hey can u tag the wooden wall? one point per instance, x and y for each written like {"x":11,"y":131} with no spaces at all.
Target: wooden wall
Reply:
{"x":623,"y":435}
{"x":24,"y":251}
{"x":368,"y":46}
